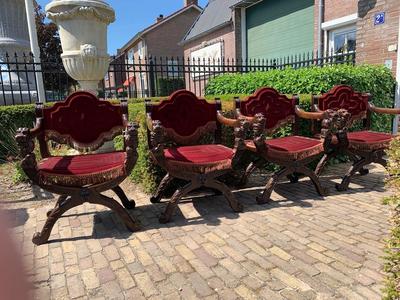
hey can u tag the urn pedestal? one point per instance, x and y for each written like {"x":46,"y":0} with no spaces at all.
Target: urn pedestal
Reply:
{"x":83,"y":33}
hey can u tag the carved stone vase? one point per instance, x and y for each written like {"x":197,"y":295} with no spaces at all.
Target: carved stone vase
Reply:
{"x":83,"y":32}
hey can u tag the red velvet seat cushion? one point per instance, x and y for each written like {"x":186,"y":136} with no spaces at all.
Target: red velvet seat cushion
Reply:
{"x":291,"y":147}
{"x":199,"y":158}
{"x":80,"y":170}
{"x":369,"y":140}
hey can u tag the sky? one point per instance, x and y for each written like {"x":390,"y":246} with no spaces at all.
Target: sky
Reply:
{"x":134,"y":15}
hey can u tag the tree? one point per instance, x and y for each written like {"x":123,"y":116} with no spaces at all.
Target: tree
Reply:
{"x":48,"y":36}
{"x":55,"y":77}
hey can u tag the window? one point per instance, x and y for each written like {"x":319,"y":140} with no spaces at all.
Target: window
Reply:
{"x":140,"y":49}
{"x":342,"y":40}
{"x":173,"y":68}
{"x":131,"y":56}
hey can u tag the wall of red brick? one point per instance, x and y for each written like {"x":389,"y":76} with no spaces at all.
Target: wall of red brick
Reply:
{"x":225,"y":34}
{"x":164,"y":40}
{"x":335,"y":9}
{"x":373,"y":41}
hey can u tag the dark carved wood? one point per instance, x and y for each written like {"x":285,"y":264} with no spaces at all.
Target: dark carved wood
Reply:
{"x":350,"y":106}
{"x":160,"y":138}
{"x":266,"y":104}
{"x":72,"y":196}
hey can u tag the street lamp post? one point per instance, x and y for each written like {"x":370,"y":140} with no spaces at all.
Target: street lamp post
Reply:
{"x":30,"y":15}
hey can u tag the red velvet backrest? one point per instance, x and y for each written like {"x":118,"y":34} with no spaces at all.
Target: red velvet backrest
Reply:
{"x":82,"y":121}
{"x":344,"y":97}
{"x":185,"y":117}
{"x":276,"y":108}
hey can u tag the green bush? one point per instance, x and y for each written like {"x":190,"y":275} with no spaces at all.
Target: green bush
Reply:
{"x":376,"y":80}
{"x":11,"y":118}
{"x":166,"y":86}
{"x":392,"y":257}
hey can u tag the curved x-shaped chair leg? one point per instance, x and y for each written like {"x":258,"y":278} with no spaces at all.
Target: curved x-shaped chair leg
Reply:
{"x":128,"y":204}
{"x":245,"y":177}
{"x":381,"y":161}
{"x":219,"y":186}
{"x":356,"y":167}
{"x":322,"y":191}
{"x":173,"y":203}
{"x":60,"y":200}
{"x":165,"y":182}
{"x":266,"y":196}
{"x":322,"y":163}
{"x":129,"y":222}
{"x":66,"y":203}
{"x":363,"y":171}
{"x":42,"y":237}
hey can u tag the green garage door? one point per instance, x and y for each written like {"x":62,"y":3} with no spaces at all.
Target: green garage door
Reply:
{"x":277,"y":28}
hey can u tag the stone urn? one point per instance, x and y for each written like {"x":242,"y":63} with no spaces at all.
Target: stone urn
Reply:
{"x":83,"y":31}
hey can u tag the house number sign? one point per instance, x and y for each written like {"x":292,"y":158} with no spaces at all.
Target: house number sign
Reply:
{"x":379,"y":18}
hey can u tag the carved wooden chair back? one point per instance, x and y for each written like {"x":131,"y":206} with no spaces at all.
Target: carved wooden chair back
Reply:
{"x":81,"y":121}
{"x":344,"y":97}
{"x":186,"y":118}
{"x":278,"y":109}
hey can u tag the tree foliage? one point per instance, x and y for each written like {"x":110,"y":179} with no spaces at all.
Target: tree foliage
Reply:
{"x":55,"y":77}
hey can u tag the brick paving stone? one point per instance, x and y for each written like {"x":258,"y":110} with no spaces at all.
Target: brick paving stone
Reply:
{"x":145,"y":284}
{"x":287,"y":249}
{"x":75,"y":287}
{"x":90,"y":279}
{"x":245,"y":293}
{"x":290,"y":280}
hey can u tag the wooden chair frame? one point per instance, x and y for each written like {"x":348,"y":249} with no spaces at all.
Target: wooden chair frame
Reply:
{"x":73,"y":196}
{"x":159,"y":139}
{"x":289,"y":168}
{"x":360,"y":158}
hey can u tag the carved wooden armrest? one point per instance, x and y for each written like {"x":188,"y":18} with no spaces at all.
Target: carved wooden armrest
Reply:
{"x":25,"y":140}
{"x":157,"y":140}
{"x":383,"y":110}
{"x":239,"y":148}
{"x":319,"y":115}
{"x":131,"y":145}
{"x":336,"y":122}
{"x":227,"y":121}
{"x":259,"y":134}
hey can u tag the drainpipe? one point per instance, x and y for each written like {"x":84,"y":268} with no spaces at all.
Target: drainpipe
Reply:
{"x":397,"y":96}
{"x":320,"y":20}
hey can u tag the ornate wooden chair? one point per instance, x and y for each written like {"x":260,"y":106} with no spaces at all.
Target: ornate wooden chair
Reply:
{"x":271,"y":111}
{"x":175,"y":128}
{"x":84,"y":123}
{"x":363,"y":146}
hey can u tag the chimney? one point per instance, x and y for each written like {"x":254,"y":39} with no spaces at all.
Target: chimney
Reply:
{"x":160,"y":18}
{"x":190,"y":2}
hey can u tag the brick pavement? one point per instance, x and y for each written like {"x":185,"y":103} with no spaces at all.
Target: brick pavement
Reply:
{"x":300,"y":246}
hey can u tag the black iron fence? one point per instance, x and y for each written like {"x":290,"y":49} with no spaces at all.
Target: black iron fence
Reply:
{"x":140,"y":77}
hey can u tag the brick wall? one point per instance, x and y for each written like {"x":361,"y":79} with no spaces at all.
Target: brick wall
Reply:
{"x":373,"y":41}
{"x":226,"y":34}
{"x":164,"y":40}
{"x":335,"y":9}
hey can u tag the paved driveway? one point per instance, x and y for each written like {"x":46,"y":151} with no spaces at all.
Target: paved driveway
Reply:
{"x":300,"y":246}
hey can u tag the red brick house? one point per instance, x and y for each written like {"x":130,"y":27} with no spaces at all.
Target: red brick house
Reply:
{"x":161,"y":39}
{"x":273,"y":29}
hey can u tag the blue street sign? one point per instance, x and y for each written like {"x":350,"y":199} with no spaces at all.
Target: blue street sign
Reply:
{"x":379,"y":18}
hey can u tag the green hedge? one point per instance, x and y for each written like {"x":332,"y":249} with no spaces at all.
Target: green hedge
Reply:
{"x":167,"y":86}
{"x":376,"y":80}
{"x":11,"y":118}
{"x":392,"y":257}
